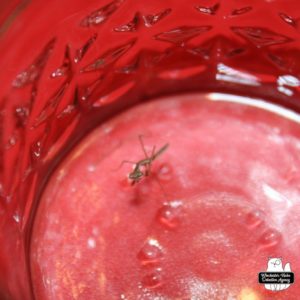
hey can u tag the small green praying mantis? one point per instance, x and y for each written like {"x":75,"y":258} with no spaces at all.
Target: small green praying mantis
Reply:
{"x":142,"y":168}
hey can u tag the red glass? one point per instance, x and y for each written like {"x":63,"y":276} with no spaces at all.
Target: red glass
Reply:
{"x":67,"y":67}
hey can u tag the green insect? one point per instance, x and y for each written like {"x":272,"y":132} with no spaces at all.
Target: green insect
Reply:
{"x":142,"y":168}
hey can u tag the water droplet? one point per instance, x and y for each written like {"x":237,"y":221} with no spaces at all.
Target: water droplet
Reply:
{"x":66,"y":111}
{"x":151,"y":252}
{"x":107,"y":129}
{"x":150,"y":20}
{"x":130,"y":26}
{"x":254,"y":218}
{"x":165,"y":172}
{"x":208,"y":10}
{"x":83,"y":94}
{"x":213,"y":261}
{"x":17,"y":217}
{"x":287,"y":19}
{"x":109,"y":57}
{"x":152,"y":280}
{"x":182,"y":34}
{"x":65,"y":68}
{"x":33,"y":72}
{"x":26,"y":77}
{"x":58,"y":72}
{"x":91,"y":243}
{"x":101,"y":15}
{"x":80,"y":53}
{"x":21,"y":114}
{"x":12,"y":141}
{"x":241,"y":11}
{"x":170,"y":214}
{"x":131,"y":67}
{"x":91,"y":168}
{"x":261,"y":37}
{"x":36,"y":150}
{"x":270,"y":238}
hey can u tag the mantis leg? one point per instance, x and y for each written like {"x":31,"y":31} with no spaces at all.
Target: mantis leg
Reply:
{"x":143,"y":146}
{"x":148,"y":166}
{"x":125,"y":162}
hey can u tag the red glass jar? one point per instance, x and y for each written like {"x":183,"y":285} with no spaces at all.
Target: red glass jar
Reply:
{"x":68,"y":67}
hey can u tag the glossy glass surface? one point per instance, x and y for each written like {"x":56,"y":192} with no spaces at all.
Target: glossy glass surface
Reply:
{"x":69,"y":66}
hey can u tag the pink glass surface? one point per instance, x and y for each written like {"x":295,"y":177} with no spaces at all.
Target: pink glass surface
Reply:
{"x":67,"y":67}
